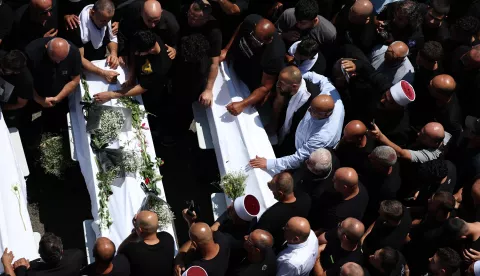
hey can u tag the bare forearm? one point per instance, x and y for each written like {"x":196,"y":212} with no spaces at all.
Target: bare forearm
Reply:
{"x":15,"y":106}
{"x":367,"y":232}
{"x":318,"y":269}
{"x":278,"y":105}
{"x":68,"y":88}
{"x":257,"y":96}
{"x":113,"y":48}
{"x":233,"y":38}
{"x":228,"y":7}
{"x":402,"y":153}
{"x":129,"y":92}
{"x":88,"y":66}
{"x":212,"y":75}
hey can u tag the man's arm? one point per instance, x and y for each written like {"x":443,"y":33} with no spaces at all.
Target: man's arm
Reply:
{"x":379,"y":136}
{"x":326,"y":87}
{"x":68,"y":88}
{"x":225,"y":50}
{"x":257,"y":96}
{"x":228,"y":7}
{"x":20,"y":104}
{"x":87,"y":65}
{"x":317,"y":268}
{"x":112,"y":59}
{"x":284,"y":268}
{"x":207,"y":95}
{"x":367,"y":232}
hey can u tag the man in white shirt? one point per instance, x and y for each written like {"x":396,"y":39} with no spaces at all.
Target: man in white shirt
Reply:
{"x":301,"y":253}
{"x":321,"y":127}
{"x":392,"y":61}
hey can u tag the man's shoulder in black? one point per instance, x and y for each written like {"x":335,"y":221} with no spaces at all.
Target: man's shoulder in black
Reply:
{"x":267,"y":267}
{"x":219,"y":264}
{"x":121,"y":267}
{"x":70,"y":265}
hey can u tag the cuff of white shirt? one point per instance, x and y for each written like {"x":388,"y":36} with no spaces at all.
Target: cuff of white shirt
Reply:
{"x":271,"y":164}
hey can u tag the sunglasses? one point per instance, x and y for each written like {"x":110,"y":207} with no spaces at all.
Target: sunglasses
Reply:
{"x":256,"y":40}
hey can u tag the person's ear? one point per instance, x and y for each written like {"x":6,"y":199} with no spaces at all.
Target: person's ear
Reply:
{"x":257,"y":250}
{"x":315,"y":21}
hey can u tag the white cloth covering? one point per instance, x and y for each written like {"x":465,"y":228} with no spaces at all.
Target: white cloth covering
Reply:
{"x":15,"y":227}
{"x":127,"y":195}
{"x":90,"y":32}
{"x":297,"y":101}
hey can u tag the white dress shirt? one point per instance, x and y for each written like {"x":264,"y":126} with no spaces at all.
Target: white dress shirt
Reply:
{"x":312,"y":133}
{"x":306,"y":65}
{"x":298,"y":259}
{"x":402,"y":71}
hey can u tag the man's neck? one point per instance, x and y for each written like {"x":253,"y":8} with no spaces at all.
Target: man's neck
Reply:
{"x":151,"y":239}
{"x":352,"y":195}
{"x":256,"y":258}
{"x":289,"y":198}
{"x":473,"y":231}
{"x":103,"y":268}
{"x":348,"y":247}
{"x":210,"y":251}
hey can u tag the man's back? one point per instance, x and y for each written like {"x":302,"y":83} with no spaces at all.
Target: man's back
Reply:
{"x":298,"y":259}
{"x":70,"y":265}
{"x":121,"y":267}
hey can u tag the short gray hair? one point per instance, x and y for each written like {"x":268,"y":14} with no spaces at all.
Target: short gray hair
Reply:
{"x":385,"y":155}
{"x":104,"y":5}
{"x":321,"y":161}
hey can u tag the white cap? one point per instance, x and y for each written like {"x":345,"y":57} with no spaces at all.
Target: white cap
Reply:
{"x":195,"y":271}
{"x":402,"y":93}
{"x":476,"y":268}
{"x":247,"y":207}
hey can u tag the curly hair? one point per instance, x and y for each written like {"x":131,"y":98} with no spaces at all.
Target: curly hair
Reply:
{"x":410,"y":10}
{"x":449,"y":259}
{"x":433,"y":171}
{"x":306,"y":10}
{"x":194,"y":47}
{"x":432,"y":51}
{"x":468,"y":24}
{"x":50,"y":248}
{"x":144,"y":40}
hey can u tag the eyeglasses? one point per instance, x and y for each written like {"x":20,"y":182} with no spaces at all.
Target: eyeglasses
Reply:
{"x":256,"y":40}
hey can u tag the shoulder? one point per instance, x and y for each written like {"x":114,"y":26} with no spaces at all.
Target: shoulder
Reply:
{"x":36,"y":46}
{"x":20,"y":12}
{"x":252,"y":19}
{"x":74,"y":255}
{"x":165,"y":237}
{"x":325,"y":24}
{"x":289,"y":13}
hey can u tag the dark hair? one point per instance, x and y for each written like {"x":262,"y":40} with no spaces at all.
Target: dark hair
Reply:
{"x":433,"y":171}
{"x":104,"y":5}
{"x":144,"y":40}
{"x":194,"y":47}
{"x":50,"y":248}
{"x":308,"y":47}
{"x":441,"y":6}
{"x":469,"y":25}
{"x":432,"y":51}
{"x":306,"y":10}
{"x":14,"y":60}
{"x":200,"y":5}
{"x":457,"y":227}
{"x":389,"y":258}
{"x":446,"y":200}
{"x":393,"y":209}
{"x":449,"y":259}
{"x":411,"y":10}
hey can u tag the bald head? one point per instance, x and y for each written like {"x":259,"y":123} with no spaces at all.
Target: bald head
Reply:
{"x":434,"y":131}
{"x":41,"y":4}
{"x":261,"y":239}
{"x":322,"y":106}
{"x":473,"y":58}
{"x":299,"y":227}
{"x":362,"y":8}
{"x":147,"y":221}
{"x":58,"y":49}
{"x":291,"y":75}
{"x":399,"y":48}
{"x":442,"y":86}
{"x":264,"y":30}
{"x":104,"y":250}
{"x":284,"y":182}
{"x":351,"y":269}
{"x":354,"y":130}
{"x":353,"y":228}
{"x":346,"y":177}
{"x":200,"y":233}
{"x":152,"y":8}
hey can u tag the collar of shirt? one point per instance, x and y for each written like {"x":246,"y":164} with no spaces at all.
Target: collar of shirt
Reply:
{"x":298,"y":245}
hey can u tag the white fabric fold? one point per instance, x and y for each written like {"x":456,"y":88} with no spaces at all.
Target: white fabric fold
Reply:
{"x":89,"y":31}
{"x":297,"y":101}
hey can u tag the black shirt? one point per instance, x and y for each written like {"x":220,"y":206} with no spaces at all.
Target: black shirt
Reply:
{"x":427,"y":189}
{"x":151,"y":69}
{"x":398,"y":270}
{"x":267,"y":267}
{"x":251,"y":62}
{"x":395,"y":124}
{"x":354,"y":157}
{"x":6,"y":21}
{"x":70,"y":265}
{"x":25,"y":30}
{"x":275,"y":217}
{"x":383,"y":235}
{"x":49,"y":77}
{"x":121,"y":267}
{"x":22,"y":82}
{"x":330,"y":208}
{"x":219,"y":264}
{"x":334,"y":256}
{"x":146,"y":260}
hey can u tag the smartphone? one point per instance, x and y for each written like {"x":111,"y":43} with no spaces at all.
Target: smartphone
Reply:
{"x":345,"y":74}
{"x":371,"y":126}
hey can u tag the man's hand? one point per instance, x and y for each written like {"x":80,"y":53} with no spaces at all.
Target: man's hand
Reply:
{"x":52,"y":33}
{"x":103,"y":97}
{"x":471,"y":255}
{"x":235,"y":108}
{"x":291,"y":36}
{"x":189,"y":219}
{"x":113,"y":61}
{"x":178,"y":268}
{"x":215,"y":226}
{"x":115,"y":26}
{"x":7,"y":257}
{"x":375,"y":133}
{"x":349,"y":66}
{"x":258,"y":162}
{"x":71,"y":21}
{"x":206,"y":98}
{"x":21,"y":262}
{"x":172,"y":53}
{"x":110,"y":76}
{"x":223,"y":55}
{"x":49,"y":102}
{"x":122,"y":61}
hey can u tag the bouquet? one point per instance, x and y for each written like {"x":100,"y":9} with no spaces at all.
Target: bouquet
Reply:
{"x":155,"y":204}
{"x":233,"y":184}
{"x":110,"y":125}
{"x":54,"y":156}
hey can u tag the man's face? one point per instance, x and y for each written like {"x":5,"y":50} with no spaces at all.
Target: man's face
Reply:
{"x":375,"y":260}
{"x":285,"y":88}
{"x":44,"y":11}
{"x":248,"y":244}
{"x":392,"y":58}
{"x":433,"y":19}
{"x":299,"y":58}
{"x":150,"y":22}
{"x":196,"y":18}
{"x":319,"y":114}
{"x":101,"y":18}
{"x":387,"y":102}
{"x":305,"y":24}
{"x":434,"y":266}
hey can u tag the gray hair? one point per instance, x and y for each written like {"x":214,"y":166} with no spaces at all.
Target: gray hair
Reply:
{"x":321,"y":161}
{"x":385,"y":155}
{"x":104,"y":5}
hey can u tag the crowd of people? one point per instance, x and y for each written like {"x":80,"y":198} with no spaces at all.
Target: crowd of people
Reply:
{"x":374,"y":104}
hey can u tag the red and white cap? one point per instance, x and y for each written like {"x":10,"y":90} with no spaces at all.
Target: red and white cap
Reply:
{"x":402,"y":93}
{"x":247,"y":207}
{"x":195,"y":271}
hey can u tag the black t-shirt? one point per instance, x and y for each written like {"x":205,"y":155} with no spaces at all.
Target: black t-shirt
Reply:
{"x":383,"y":235}
{"x":6,"y":21}
{"x":70,"y":265}
{"x":152,"y":69}
{"x":251,"y":62}
{"x":267,"y":267}
{"x":395,"y":124}
{"x":274,"y":218}
{"x":354,"y":157}
{"x":470,"y":173}
{"x":399,"y":269}
{"x":334,"y":256}
{"x":22,"y":82}
{"x":219,"y":264}
{"x":121,"y":267}
{"x":146,"y":260}
{"x":25,"y":30}
{"x":330,"y":208}
{"x":427,"y":189}
{"x":49,"y":77}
